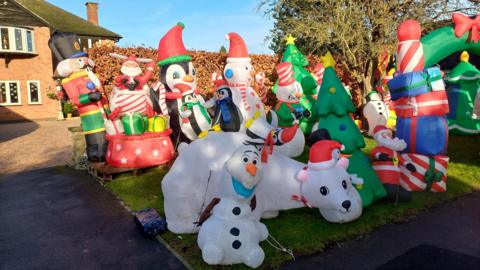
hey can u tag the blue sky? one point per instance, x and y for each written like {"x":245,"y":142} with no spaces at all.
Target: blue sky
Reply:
{"x":206,"y":22}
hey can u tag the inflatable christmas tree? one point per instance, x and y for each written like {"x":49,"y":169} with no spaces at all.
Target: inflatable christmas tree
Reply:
{"x":333,"y":107}
{"x":462,"y":87}
{"x":302,"y":76}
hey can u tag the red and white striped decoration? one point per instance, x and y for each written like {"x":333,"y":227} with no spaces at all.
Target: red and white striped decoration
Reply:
{"x":409,"y":49}
{"x":319,"y":70}
{"x":130,"y":101}
{"x":415,"y":181}
{"x":160,"y":89}
{"x":285,"y":74}
{"x":243,"y":92}
{"x":260,"y":80}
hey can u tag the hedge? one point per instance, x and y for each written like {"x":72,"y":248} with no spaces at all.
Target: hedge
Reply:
{"x":205,"y":64}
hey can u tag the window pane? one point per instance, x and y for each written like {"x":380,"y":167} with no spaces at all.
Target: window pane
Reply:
{"x":18,"y":40}
{"x":29,"y":41}
{"x":3,"y":93}
{"x":33,"y":92}
{"x":5,"y":39}
{"x":13,"y":92}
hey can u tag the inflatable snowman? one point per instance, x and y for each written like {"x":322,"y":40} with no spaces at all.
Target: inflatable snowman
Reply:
{"x":288,"y":109}
{"x":375,"y":111}
{"x":239,"y":74}
{"x":229,"y":235}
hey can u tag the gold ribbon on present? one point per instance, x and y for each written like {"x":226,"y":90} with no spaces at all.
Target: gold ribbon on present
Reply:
{"x":158,"y":123}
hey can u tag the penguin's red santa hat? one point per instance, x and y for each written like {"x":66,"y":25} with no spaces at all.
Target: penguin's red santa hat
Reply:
{"x":237,"y":52}
{"x":324,"y":154}
{"x":171,"y":48}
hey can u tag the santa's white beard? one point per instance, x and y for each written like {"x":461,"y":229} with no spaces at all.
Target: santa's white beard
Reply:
{"x":394,"y":144}
{"x":131,"y":72}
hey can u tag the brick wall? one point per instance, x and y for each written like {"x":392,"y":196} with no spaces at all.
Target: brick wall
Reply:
{"x":23,"y":69}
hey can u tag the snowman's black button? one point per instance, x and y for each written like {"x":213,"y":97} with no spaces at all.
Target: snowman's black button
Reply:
{"x":235,"y":231}
{"x":236,"y":211}
{"x":236,"y":244}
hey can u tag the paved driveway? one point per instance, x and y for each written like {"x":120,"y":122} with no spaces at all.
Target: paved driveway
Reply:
{"x":32,"y":145}
{"x":58,"y":218}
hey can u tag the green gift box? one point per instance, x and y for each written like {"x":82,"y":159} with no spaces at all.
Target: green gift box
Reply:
{"x":134,"y":123}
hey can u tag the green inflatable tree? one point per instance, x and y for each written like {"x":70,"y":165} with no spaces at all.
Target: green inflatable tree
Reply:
{"x":462,"y":87}
{"x":299,"y":61}
{"x":333,"y":107}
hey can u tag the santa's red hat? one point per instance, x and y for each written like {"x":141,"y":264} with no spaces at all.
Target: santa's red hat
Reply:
{"x":218,"y":80}
{"x":171,"y":48}
{"x":285,"y":74}
{"x":379,"y":129}
{"x":131,"y":58}
{"x":322,"y":154}
{"x":237,"y":52}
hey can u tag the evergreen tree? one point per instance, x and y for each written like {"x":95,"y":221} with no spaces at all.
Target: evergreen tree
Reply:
{"x":334,"y":107}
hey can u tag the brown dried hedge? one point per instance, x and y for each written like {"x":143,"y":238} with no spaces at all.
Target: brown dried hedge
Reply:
{"x":205,"y":63}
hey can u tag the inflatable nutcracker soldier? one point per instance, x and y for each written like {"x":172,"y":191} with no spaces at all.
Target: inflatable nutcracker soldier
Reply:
{"x":83,"y":89}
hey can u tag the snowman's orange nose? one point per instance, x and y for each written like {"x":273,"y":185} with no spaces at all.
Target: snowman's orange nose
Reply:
{"x":251,"y":169}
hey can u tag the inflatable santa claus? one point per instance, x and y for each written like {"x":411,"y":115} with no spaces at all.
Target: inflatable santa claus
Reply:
{"x":130,"y":94}
{"x":386,"y":162}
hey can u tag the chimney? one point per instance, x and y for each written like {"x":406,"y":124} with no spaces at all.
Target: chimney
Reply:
{"x":92,"y":12}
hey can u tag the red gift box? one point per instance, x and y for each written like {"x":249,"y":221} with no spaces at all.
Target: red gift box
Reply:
{"x":140,"y":151}
{"x":431,"y":103}
{"x":430,"y":175}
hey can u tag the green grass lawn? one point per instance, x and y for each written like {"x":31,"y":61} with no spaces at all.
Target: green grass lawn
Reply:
{"x":304,"y":230}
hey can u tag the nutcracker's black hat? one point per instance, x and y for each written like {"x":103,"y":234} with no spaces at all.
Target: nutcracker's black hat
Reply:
{"x":65,"y":45}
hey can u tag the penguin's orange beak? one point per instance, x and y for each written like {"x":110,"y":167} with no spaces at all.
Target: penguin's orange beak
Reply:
{"x":252,"y":73}
{"x":251,"y":169}
{"x":188,"y":78}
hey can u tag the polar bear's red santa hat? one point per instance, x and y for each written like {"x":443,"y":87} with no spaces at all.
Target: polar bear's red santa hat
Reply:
{"x":324,"y":154}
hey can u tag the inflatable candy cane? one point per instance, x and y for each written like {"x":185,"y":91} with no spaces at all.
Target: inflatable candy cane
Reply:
{"x":409,"y":49}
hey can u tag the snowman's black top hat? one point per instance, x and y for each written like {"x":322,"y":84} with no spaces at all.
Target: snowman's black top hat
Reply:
{"x":65,"y":46}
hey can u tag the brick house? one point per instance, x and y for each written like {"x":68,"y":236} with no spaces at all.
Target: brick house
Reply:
{"x":27,"y":65}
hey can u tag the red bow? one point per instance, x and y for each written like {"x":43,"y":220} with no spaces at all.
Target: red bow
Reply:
{"x":464,"y":23}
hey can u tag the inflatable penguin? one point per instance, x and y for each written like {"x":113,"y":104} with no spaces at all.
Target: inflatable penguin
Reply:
{"x":229,"y":234}
{"x":179,"y":94}
{"x":228,"y":116}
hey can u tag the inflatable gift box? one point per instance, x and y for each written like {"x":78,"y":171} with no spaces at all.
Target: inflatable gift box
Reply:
{"x":431,"y":103}
{"x":430,"y":172}
{"x":134,"y":123}
{"x":427,"y":135}
{"x":158,"y":123}
{"x":408,"y":84}
{"x":434,"y":79}
{"x":140,"y":151}
{"x":149,"y":222}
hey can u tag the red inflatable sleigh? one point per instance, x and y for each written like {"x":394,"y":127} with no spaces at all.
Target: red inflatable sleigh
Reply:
{"x":140,"y":151}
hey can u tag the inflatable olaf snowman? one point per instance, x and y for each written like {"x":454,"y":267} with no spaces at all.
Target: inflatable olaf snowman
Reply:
{"x":239,"y":74}
{"x":229,"y":234}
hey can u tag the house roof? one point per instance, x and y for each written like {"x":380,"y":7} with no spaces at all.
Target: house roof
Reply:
{"x":63,"y":20}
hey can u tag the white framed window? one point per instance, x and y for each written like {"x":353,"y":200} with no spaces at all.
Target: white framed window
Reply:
{"x":34,"y":92}
{"x":16,"y":39}
{"x":10,"y":93}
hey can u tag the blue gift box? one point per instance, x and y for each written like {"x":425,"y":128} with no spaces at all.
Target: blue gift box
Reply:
{"x":408,"y":85}
{"x":149,"y":222}
{"x":426,"y":135}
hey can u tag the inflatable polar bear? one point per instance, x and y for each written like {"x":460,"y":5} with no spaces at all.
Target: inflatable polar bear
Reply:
{"x":230,"y":235}
{"x":196,"y":177}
